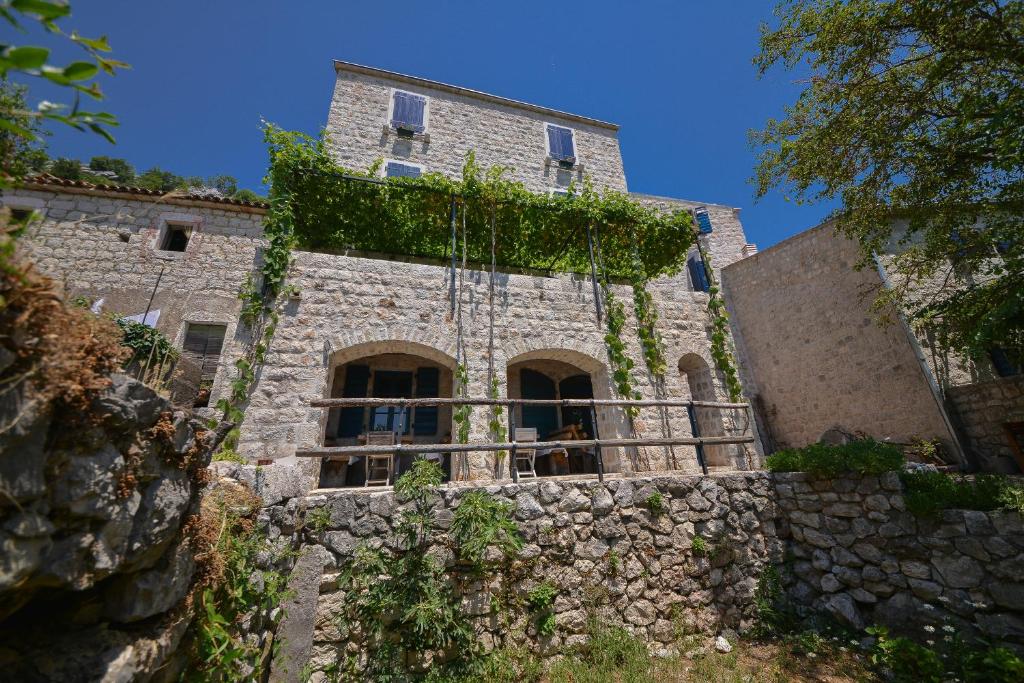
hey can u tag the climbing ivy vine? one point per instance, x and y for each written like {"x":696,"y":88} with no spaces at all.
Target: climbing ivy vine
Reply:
{"x":720,"y":349}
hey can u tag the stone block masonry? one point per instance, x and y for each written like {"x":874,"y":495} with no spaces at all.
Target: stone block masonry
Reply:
{"x":846,"y":547}
{"x":992,"y":414}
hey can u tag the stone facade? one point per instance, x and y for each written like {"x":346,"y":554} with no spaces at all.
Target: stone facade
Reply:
{"x":812,"y":353}
{"x":846,"y":547}
{"x":814,"y":356}
{"x":500,"y":131}
{"x":992,"y":415}
{"x":105,"y":245}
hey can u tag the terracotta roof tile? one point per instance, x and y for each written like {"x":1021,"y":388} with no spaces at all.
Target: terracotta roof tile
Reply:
{"x":54,"y":181}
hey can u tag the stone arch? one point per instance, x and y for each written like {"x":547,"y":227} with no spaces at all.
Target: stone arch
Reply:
{"x":587,"y":355}
{"x":700,"y":382}
{"x":358,"y":343}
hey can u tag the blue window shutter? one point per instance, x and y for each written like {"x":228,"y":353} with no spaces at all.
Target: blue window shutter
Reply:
{"x":560,"y":143}
{"x":357,"y":377}
{"x":397,"y":169}
{"x":425,"y":418}
{"x":408,"y":111}
{"x":703,"y":222}
{"x":698,"y":275}
{"x":1005,"y":365}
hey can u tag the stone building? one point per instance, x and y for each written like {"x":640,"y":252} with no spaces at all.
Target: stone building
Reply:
{"x":815,"y":358}
{"x":379,"y":324}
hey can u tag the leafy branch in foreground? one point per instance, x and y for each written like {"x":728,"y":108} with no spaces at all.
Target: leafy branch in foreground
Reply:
{"x":33,"y":61}
{"x":911,"y":117}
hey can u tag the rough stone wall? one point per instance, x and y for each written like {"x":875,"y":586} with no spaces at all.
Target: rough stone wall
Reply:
{"x":352,"y":307}
{"x":506,"y":135}
{"x":106,"y":247}
{"x":985,"y":409}
{"x":861,"y":556}
{"x":93,"y":565}
{"x":813,"y":354}
{"x":844,"y":547}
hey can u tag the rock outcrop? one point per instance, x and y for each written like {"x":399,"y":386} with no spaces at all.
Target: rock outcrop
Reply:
{"x":94,"y":566}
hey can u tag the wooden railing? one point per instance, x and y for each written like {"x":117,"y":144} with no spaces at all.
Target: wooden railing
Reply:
{"x":597,"y":443}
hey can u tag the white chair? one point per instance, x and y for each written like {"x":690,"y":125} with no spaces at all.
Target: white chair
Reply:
{"x":380,"y":466}
{"x":526,"y":456}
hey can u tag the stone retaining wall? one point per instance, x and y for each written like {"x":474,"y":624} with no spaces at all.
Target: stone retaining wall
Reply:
{"x":848,"y":545}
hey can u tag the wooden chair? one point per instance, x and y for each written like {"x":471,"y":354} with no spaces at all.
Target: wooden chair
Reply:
{"x":526,"y":456}
{"x":379,"y":464}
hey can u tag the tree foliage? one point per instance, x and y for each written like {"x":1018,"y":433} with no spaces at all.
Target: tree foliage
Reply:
{"x":19,"y":154}
{"x":32,"y":61}
{"x":912,"y":117}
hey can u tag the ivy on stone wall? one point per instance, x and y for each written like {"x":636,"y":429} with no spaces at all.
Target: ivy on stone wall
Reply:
{"x":621,"y":363}
{"x":720,"y":349}
{"x":333,"y":210}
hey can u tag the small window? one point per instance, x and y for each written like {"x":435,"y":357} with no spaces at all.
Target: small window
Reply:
{"x":698,"y":274}
{"x":397,"y":169}
{"x":176,"y":237}
{"x":20,"y":215}
{"x":203,"y":344}
{"x":561,"y":145}
{"x":408,"y":112}
{"x":703,"y":220}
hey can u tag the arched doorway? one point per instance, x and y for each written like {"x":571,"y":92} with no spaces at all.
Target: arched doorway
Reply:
{"x":538,"y":377}
{"x":700,"y":383}
{"x":386,"y":370}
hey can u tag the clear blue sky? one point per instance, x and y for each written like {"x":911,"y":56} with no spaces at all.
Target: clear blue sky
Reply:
{"x":677,"y":76}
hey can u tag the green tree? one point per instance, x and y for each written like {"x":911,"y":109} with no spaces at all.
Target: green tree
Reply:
{"x":31,"y":61}
{"x":225,"y":184}
{"x":159,"y":179}
{"x":66,"y":168}
{"x":912,"y":116}
{"x":125,"y":171}
{"x":246,"y":195}
{"x":20,"y":154}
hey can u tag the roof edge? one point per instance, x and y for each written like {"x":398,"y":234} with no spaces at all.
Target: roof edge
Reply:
{"x":341,"y":65}
{"x":53,"y":184}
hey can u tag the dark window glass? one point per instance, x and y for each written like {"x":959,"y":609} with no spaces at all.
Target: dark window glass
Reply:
{"x":407,"y":112}
{"x":176,"y":237}
{"x":391,"y":384}
{"x":537,"y":385}
{"x":20,"y":215}
{"x":425,"y":417}
{"x":397,"y":169}
{"x":560,"y":144}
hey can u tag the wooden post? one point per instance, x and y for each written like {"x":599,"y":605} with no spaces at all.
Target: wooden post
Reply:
{"x":597,"y":447}
{"x":513,"y":467}
{"x":593,"y":273}
{"x":454,"y":214}
{"x":695,"y":432}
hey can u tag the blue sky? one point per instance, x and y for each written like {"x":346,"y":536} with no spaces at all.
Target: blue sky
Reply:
{"x":677,"y":76}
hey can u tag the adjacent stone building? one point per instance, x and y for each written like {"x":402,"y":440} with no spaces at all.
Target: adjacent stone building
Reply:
{"x":816,"y":358}
{"x":379,"y":324}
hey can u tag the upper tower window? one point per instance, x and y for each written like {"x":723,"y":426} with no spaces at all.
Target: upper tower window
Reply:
{"x":399,"y":169}
{"x":175,"y":237}
{"x":408,"y":112}
{"x":703,"y":220}
{"x":561,"y":144}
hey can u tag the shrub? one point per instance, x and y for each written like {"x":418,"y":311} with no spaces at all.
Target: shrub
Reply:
{"x":481,"y":522}
{"x":864,"y":456}
{"x":774,"y":615}
{"x":655,"y":503}
{"x":928,"y":493}
{"x":541,"y":599}
{"x":907,"y":661}
{"x":699,"y":545}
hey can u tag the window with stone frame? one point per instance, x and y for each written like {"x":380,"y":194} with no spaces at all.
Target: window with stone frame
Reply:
{"x":202,"y":347}
{"x":402,"y":169}
{"x":408,"y":112}
{"x":561,"y":144}
{"x":176,"y":236}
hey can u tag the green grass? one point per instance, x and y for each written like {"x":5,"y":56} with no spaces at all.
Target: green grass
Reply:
{"x":864,"y":456}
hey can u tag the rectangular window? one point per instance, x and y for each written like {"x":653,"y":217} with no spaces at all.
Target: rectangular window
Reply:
{"x":703,"y":221}
{"x":203,"y":344}
{"x":561,"y":145}
{"x":176,"y":237}
{"x":20,"y":215}
{"x":407,"y":112}
{"x":698,"y":274}
{"x":396,"y":169}
{"x":391,"y":384}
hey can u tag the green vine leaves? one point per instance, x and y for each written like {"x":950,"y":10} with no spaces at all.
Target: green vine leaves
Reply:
{"x":720,"y":349}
